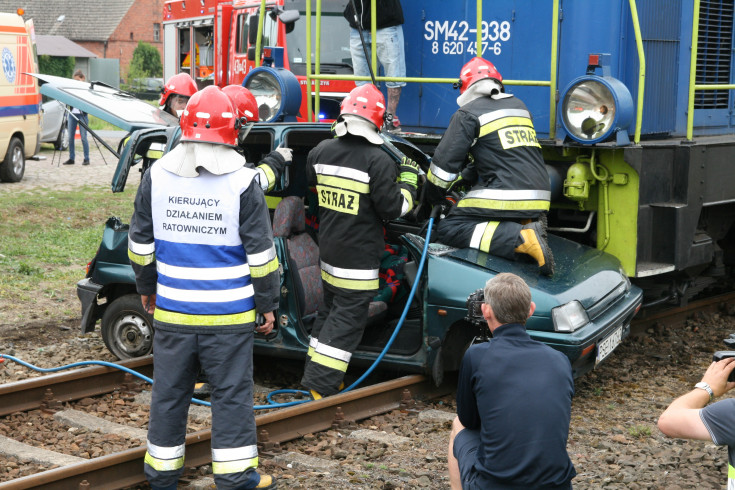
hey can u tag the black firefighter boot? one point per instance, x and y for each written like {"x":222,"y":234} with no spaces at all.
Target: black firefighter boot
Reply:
{"x":535,"y":245}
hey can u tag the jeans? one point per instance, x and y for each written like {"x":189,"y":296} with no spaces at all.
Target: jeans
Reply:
{"x":71,"y":124}
{"x":390,"y":51}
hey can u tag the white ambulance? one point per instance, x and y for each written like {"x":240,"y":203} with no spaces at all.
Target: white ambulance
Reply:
{"x":20,"y":99}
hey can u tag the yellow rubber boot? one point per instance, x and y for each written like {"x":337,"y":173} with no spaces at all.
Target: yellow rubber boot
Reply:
{"x":317,"y":396}
{"x":534,"y":244}
{"x":267,"y":482}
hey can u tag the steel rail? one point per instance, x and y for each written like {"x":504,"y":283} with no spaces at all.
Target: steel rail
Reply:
{"x":680,"y":314}
{"x":124,"y":469}
{"x":30,"y":394}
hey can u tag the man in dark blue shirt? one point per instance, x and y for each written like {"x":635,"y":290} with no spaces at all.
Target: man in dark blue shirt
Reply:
{"x":514,"y":402}
{"x":689,"y":416}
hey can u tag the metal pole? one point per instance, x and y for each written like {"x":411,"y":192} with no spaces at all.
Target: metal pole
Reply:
{"x":554,"y":59}
{"x":693,"y":71}
{"x":308,"y":61}
{"x":641,"y":71}
{"x":260,"y":33}
{"x":358,"y":23}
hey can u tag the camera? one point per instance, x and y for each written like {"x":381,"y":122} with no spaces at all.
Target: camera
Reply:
{"x":474,"y":310}
{"x":724,"y":354}
{"x":474,"y":316}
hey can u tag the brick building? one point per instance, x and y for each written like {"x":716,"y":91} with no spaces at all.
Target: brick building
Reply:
{"x":108,"y":28}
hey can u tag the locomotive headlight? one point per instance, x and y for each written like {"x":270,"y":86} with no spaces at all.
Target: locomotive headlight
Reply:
{"x":277,"y":92}
{"x":569,"y":317}
{"x":594,"y":108}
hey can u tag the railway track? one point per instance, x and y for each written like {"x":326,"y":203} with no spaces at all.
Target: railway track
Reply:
{"x":124,"y":469}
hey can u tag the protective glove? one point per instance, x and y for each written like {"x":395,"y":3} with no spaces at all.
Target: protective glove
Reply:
{"x":286,"y":153}
{"x":410,"y":171}
{"x":432,"y":194}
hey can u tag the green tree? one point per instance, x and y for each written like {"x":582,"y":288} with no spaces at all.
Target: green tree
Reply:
{"x":146,"y":62}
{"x":56,"y":65}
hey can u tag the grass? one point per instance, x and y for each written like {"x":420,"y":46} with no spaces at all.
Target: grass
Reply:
{"x":47,"y":239}
{"x":639,"y":431}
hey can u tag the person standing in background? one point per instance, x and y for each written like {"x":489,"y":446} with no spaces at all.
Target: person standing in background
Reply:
{"x":71,"y":123}
{"x":388,"y":44}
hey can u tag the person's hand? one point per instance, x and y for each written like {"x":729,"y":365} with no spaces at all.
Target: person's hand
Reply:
{"x":149,"y":303}
{"x":717,"y":374}
{"x":286,"y":153}
{"x":267,"y":327}
{"x":410,"y":171}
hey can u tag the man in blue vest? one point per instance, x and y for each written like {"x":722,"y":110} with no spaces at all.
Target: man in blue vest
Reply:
{"x":201,"y":246}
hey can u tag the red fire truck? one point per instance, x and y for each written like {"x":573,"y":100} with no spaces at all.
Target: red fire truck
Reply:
{"x":215,"y":42}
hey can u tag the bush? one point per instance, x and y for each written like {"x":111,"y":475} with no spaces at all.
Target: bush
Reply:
{"x":56,"y":65}
{"x":146,"y":62}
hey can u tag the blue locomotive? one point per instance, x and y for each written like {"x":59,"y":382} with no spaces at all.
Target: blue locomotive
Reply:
{"x":633,"y":105}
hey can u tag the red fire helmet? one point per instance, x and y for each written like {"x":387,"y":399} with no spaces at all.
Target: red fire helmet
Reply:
{"x":244,"y":102}
{"x":365,"y":101}
{"x":181,"y":84}
{"x":477,"y":69}
{"x":210,"y":117}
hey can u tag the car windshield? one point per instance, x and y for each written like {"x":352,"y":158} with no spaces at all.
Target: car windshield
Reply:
{"x":335,"y":48}
{"x":107,"y":103}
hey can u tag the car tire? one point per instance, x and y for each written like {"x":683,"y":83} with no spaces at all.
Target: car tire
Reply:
{"x":127,"y":329}
{"x":62,"y":140}
{"x":13,"y":166}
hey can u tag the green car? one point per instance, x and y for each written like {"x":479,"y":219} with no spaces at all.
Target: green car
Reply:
{"x":584,"y":310}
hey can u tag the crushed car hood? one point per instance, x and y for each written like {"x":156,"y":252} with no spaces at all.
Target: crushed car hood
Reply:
{"x":582,"y":273}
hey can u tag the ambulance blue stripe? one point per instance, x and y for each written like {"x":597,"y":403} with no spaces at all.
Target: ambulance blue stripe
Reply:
{"x":189,"y":254}
{"x":19,"y":110}
{"x":224,"y":308}
{"x":203,"y":285}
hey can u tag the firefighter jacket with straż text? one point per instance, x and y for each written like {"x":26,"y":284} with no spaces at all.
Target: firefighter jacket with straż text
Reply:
{"x":498,"y":135}
{"x":204,"y":245}
{"x":388,"y":13}
{"x":357,"y":190}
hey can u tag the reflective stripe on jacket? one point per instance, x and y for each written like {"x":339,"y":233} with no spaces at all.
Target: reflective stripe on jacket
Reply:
{"x":498,"y":134}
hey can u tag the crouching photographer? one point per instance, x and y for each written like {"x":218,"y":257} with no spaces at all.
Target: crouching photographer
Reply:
{"x":514,"y":400}
{"x":689,"y":416}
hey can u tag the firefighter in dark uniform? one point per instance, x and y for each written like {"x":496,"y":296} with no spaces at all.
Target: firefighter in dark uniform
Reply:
{"x":201,"y":246}
{"x":272,"y":166}
{"x":492,"y":137}
{"x":176,"y":93}
{"x":358,"y":186}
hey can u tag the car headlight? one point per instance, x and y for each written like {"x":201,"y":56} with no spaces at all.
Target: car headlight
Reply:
{"x":277,"y":92}
{"x":569,"y":317}
{"x":594,"y":108}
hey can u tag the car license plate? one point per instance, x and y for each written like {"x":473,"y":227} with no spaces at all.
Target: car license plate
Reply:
{"x":608,"y":344}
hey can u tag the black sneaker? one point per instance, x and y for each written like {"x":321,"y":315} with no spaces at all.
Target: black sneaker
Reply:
{"x":85,"y":162}
{"x":69,"y":162}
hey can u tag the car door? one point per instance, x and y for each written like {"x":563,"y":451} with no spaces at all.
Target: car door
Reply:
{"x":107,"y":103}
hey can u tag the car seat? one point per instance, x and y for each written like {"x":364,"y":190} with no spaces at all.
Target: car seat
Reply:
{"x":289,"y":223}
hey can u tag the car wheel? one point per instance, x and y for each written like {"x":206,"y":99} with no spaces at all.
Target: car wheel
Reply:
{"x":127,"y":329}
{"x":14,"y":165}
{"x":62,"y":140}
